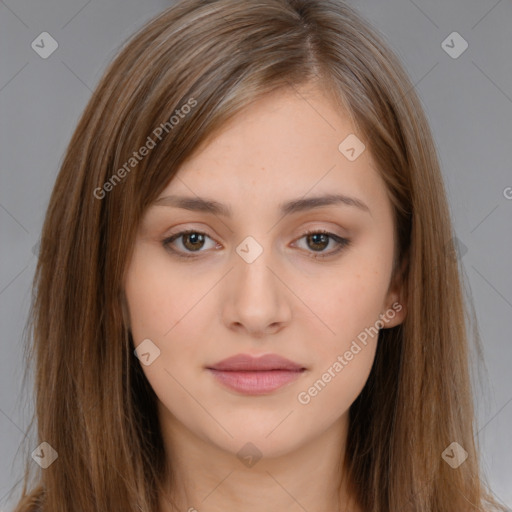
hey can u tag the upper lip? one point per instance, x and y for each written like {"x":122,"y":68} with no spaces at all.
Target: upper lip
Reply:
{"x":246,"y":362}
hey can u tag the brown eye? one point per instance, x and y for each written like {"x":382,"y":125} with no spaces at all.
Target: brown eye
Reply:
{"x":193,"y":241}
{"x":186,"y":243}
{"x":189,"y":242}
{"x":318,"y":241}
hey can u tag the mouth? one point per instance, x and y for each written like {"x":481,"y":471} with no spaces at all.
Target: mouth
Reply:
{"x":256,"y":376}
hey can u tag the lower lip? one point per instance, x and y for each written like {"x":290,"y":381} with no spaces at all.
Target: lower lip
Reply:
{"x":255,"y":383}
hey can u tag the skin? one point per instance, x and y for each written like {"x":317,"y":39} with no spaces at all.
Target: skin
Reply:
{"x":201,"y":310}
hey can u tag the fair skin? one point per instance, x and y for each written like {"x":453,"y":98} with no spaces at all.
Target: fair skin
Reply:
{"x":216,"y":304}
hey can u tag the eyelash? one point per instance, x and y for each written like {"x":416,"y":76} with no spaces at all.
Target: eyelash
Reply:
{"x":342,"y":242}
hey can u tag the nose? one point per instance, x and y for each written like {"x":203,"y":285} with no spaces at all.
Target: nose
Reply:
{"x":256,"y":301}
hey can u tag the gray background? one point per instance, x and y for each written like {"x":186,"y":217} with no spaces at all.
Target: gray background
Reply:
{"x":468,"y":101}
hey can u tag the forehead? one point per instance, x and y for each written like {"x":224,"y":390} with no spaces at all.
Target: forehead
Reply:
{"x":286,"y":144}
{"x":285,"y":124}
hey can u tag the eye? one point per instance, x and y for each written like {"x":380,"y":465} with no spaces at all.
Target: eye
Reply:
{"x":192,"y":241}
{"x":318,"y":241}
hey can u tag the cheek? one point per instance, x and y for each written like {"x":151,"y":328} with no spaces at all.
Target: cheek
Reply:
{"x":349,"y":303}
{"x":345,"y":352}
{"x":351,"y":307}
{"x":172,"y":308}
{"x":163,"y":307}
{"x":159,"y":297}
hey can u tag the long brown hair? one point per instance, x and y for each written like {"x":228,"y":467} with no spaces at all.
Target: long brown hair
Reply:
{"x":93,"y":403}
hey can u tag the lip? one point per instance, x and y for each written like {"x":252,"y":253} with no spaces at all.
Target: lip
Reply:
{"x":246,"y":362}
{"x":256,"y":375}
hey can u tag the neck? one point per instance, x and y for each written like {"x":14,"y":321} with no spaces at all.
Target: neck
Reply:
{"x":204,"y":477}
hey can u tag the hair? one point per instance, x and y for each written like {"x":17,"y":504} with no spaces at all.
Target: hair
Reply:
{"x":93,"y":402}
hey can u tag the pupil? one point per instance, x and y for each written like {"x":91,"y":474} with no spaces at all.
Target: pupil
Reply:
{"x":195,"y":238}
{"x":319,"y":239}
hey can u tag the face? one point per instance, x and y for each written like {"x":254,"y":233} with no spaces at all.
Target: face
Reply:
{"x":269,"y":267}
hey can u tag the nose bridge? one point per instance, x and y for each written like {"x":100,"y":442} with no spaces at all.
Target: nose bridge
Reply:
{"x":253,"y":275}
{"x":258,"y":299}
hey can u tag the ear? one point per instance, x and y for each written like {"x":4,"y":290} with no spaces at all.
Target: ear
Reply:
{"x":395,"y":308}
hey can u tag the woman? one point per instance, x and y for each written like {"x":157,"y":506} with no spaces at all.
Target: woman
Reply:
{"x":246,"y":295}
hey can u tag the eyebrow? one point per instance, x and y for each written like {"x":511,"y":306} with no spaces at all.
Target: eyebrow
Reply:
{"x":294,"y":206}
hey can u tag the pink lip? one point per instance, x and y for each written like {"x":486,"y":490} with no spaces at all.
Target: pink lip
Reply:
{"x":246,"y":362}
{"x":256,"y":376}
